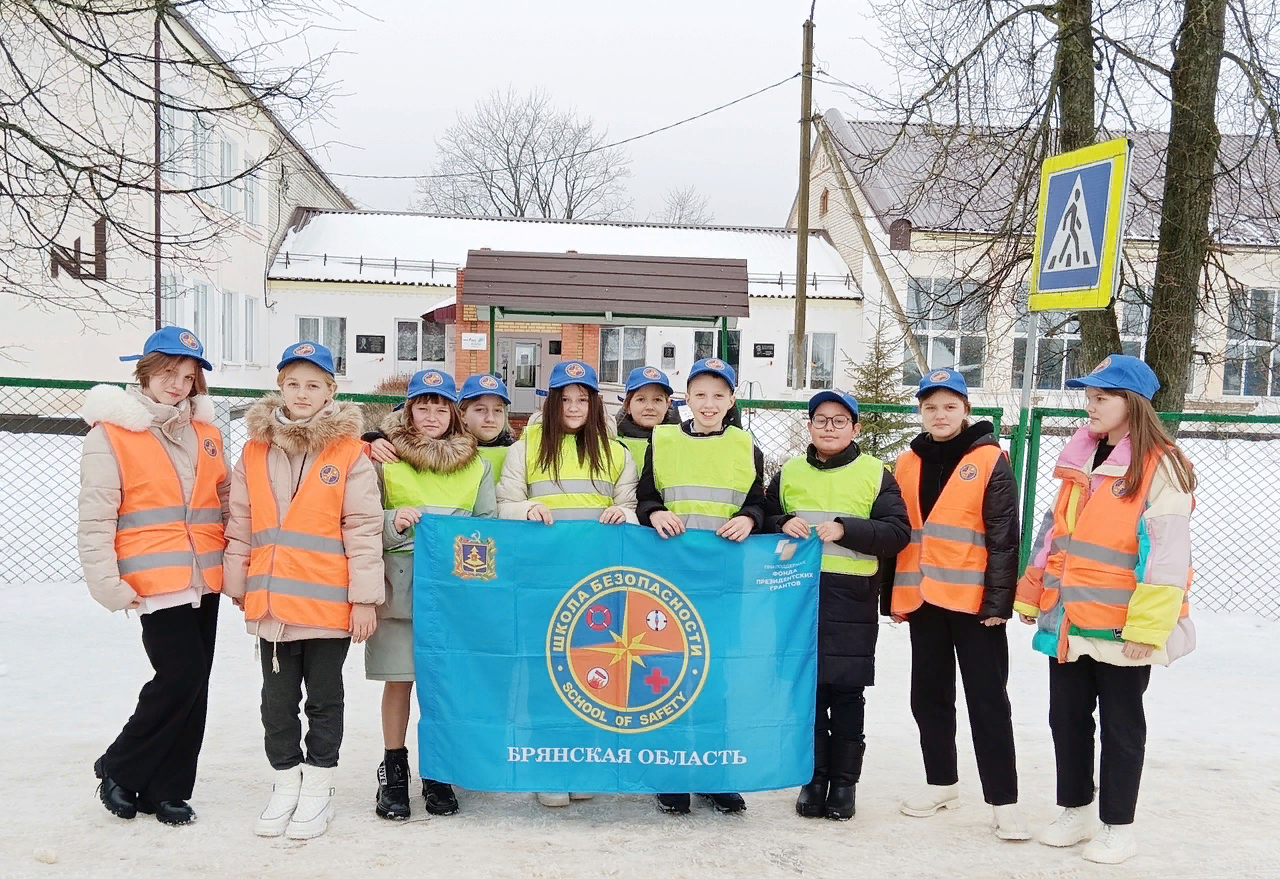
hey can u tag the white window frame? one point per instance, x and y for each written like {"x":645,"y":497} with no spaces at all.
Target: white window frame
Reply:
{"x":945,"y":311}
{"x":201,"y":166}
{"x":622,"y":363}
{"x":339,"y":351}
{"x":1253,"y":345}
{"x":229,"y":339}
{"x":809,"y":366}
{"x":170,"y":301}
{"x":250,"y":205}
{"x":171,"y":147}
{"x":201,"y":312}
{"x":229,"y":167}
{"x":251,"y":329}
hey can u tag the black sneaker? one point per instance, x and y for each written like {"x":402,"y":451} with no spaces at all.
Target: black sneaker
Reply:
{"x":673,"y":804}
{"x":726,"y":803}
{"x":119,"y":802}
{"x":439,"y":796}
{"x":175,"y":813}
{"x":393,"y":786}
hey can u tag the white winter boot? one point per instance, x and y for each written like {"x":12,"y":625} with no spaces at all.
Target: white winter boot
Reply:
{"x":315,"y":809}
{"x":1113,"y":844}
{"x":284,"y":799}
{"x":553,"y":800}
{"x":1075,"y":824}
{"x":577,"y":797}
{"x":1007,"y":822}
{"x":930,"y":799}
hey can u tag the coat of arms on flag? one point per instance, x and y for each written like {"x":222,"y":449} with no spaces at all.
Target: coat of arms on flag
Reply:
{"x":473,"y":558}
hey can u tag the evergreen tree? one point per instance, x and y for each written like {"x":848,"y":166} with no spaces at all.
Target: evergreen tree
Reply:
{"x":878,"y":380}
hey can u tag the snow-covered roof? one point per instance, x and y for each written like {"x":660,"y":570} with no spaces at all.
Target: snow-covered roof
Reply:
{"x":425,"y":250}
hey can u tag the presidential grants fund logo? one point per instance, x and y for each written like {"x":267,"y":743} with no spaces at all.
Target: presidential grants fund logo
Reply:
{"x":626,"y":650}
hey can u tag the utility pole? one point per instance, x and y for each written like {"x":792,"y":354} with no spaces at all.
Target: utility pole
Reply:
{"x":799,"y":354}
{"x":156,"y":169}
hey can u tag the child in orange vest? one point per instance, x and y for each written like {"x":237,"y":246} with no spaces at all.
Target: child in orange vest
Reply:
{"x":1108,"y":581}
{"x":304,"y":561}
{"x":954,"y":585}
{"x":153,"y":501}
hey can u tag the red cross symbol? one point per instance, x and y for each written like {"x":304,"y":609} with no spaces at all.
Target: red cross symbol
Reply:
{"x":656,"y":680}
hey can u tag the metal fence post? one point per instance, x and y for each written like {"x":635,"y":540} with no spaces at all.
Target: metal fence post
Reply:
{"x":1032,"y":466}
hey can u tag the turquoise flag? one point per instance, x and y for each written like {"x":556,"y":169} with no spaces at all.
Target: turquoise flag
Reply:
{"x":601,"y":658}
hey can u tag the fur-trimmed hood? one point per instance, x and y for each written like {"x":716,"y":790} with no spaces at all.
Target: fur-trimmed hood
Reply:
{"x":336,"y":421}
{"x":131,"y":409}
{"x":422,"y":453}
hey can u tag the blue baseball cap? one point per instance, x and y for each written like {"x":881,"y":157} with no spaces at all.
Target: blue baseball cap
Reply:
{"x":1120,"y":372}
{"x":943,"y":378}
{"x":480,"y":385}
{"x":573,"y":372}
{"x":648,"y":375}
{"x":432,"y":381}
{"x":845,"y":400}
{"x":176,"y":341}
{"x":714,"y":366}
{"x":312,"y":352}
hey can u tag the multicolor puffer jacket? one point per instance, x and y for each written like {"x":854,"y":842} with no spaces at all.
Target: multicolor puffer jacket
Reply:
{"x":1162,"y":570}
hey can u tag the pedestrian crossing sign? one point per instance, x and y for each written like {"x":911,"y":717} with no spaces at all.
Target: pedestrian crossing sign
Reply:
{"x":1080,"y":228}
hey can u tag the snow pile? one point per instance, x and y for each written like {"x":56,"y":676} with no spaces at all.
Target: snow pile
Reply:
{"x":1208,"y":799}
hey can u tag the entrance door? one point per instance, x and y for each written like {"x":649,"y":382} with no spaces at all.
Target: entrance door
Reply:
{"x":524,"y":375}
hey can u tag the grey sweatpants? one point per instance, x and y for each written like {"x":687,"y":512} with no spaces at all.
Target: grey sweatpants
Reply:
{"x":317,"y":662}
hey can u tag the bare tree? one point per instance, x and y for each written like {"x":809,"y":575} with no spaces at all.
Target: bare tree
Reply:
{"x":685,"y":207}
{"x":82,"y":86}
{"x":518,"y":155}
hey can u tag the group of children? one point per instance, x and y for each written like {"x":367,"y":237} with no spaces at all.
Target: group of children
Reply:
{"x":317,"y":523}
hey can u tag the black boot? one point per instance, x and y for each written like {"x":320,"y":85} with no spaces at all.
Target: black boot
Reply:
{"x":846,"y":769}
{"x":175,"y":813}
{"x":812,"y":802}
{"x":673,"y":804}
{"x":439,"y":796}
{"x":393,"y":785}
{"x":119,"y":802}
{"x":727,"y":803}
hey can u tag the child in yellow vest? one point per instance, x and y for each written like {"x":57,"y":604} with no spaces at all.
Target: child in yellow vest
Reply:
{"x":850,"y":502}
{"x":483,"y":403}
{"x":304,"y":561}
{"x":646,"y":405}
{"x":1108,"y":580}
{"x":438,"y":471}
{"x":704,"y":474}
{"x":569,"y":467}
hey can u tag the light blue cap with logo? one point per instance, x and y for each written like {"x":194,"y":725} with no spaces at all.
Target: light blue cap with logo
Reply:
{"x":574,"y":372}
{"x":481,"y":385}
{"x":714,"y":366}
{"x":432,"y":381}
{"x":1120,"y":372}
{"x":175,"y":341}
{"x":311,"y":352}
{"x":845,"y":400}
{"x":647,"y":375}
{"x":949,"y":379}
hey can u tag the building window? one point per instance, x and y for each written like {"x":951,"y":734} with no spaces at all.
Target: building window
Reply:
{"x":949,"y":324}
{"x":820,"y":360}
{"x":250,"y":330}
{"x":1058,"y":339}
{"x":200,"y":312}
{"x":824,"y":203}
{"x":433,"y":341}
{"x":407,"y":341}
{"x":170,"y":301}
{"x":170,"y":146}
{"x":621,"y":350}
{"x":201,"y":160}
{"x":230,"y":191}
{"x":330,"y":332}
{"x":1252,"y":367}
{"x":704,"y":344}
{"x":249,"y":187}
{"x":229,"y":308}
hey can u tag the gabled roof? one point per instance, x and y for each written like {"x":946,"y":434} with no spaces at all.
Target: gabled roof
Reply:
{"x":425,"y":249}
{"x":956,"y":180}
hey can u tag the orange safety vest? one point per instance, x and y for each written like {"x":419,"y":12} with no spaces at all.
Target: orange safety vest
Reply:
{"x":298,"y":567}
{"x":160,"y":536}
{"x":1093,"y":556}
{"x":945,"y":563}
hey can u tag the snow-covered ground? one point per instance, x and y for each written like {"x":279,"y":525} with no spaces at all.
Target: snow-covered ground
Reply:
{"x":69,"y":673}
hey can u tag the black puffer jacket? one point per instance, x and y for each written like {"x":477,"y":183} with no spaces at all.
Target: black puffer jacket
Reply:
{"x":999,"y":513}
{"x":847,"y":621}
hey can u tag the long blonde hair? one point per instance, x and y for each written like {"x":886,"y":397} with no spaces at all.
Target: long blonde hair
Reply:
{"x":1147,"y":434}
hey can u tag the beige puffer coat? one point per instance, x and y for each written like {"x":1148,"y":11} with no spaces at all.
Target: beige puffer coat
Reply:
{"x":100,"y":482}
{"x":294,"y":446}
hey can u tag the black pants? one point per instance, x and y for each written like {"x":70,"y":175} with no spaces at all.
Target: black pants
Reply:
{"x":939,"y":639}
{"x":317,"y":662}
{"x":156,"y":753}
{"x":1075,"y":688}
{"x":842,"y":712}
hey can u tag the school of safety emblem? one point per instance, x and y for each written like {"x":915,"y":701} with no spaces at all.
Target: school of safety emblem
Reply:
{"x":190,"y":340}
{"x":626,"y":650}
{"x":1117,"y":488}
{"x":304,"y":350}
{"x":329,"y":474}
{"x":650,"y":372}
{"x":1101,"y":366}
{"x":968,"y":472}
{"x":575,"y":370}
{"x":474,"y":558}
{"x":488,"y":382}
{"x":940,"y":376}
{"x":211,"y":448}
{"x":713,"y":363}
{"x":434,"y":379}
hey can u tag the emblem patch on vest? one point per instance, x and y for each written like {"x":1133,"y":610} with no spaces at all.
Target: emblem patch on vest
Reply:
{"x":474,"y":558}
{"x":969,"y":472}
{"x":939,"y":376}
{"x":304,"y":350}
{"x":488,"y":382}
{"x":211,"y":448}
{"x":330,"y":474}
{"x":189,"y":340}
{"x":1117,"y":488}
{"x":626,"y":650}
{"x":1101,"y":366}
{"x":575,"y":370}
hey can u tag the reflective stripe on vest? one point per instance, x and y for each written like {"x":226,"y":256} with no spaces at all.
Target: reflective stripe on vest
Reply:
{"x":298,"y":567}
{"x":159,"y":537}
{"x":703,"y":479}
{"x":442,"y":494}
{"x":819,"y":496}
{"x":578,"y":493}
{"x":496,"y":456}
{"x":946,"y":562}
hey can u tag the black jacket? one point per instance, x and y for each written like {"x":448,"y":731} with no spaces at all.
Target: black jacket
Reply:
{"x":847,"y":621}
{"x":502,"y":440}
{"x":649,"y":499}
{"x":938,"y":462}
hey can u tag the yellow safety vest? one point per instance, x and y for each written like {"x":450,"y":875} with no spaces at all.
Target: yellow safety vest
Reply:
{"x":496,"y":456}
{"x":579,"y":493}
{"x":637,"y":446}
{"x":444,"y":494}
{"x":703,"y":479}
{"x":822,"y":495}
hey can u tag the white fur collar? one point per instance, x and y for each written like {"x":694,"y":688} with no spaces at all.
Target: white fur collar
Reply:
{"x":128,"y":409}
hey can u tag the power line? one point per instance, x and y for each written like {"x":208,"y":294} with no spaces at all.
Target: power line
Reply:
{"x":575,"y":155}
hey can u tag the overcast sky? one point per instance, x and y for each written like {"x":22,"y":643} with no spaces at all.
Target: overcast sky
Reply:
{"x":406,"y":73}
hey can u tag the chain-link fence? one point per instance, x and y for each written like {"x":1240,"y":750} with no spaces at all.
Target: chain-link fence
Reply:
{"x":1234,"y":546}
